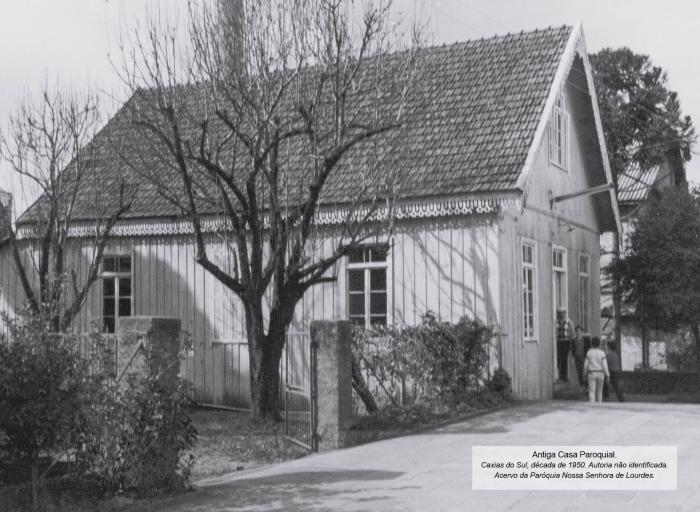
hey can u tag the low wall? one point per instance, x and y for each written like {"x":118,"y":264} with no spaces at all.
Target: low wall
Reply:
{"x":660,"y":382}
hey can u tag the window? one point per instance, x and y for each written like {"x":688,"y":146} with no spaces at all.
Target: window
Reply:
{"x":559,"y":269}
{"x":529,"y":290}
{"x":559,"y":135}
{"x":367,"y":286}
{"x":116,"y":290}
{"x":584,"y":300}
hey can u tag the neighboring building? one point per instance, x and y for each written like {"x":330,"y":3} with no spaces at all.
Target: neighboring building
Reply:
{"x":6,"y":204}
{"x":509,"y":127}
{"x":640,"y":346}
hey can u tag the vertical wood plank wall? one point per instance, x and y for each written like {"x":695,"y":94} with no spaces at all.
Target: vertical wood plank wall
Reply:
{"x":532,"y":363}
{"x":448,"y":266}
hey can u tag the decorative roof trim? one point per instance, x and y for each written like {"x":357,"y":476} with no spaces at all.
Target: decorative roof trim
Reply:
{"x":326,"y":217}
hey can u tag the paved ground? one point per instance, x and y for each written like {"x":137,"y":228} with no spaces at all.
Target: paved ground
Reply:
{"x":432,"y":471}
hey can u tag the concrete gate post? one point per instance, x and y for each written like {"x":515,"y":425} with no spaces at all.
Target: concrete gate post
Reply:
{"x":332,"y":341}
{"x":149,"y":345}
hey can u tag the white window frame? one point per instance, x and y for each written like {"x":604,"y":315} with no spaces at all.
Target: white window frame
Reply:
{"x":117,"y":276}
{"x":528,"y":335}
{"x":366,"y":267}
{"x":560,"y":132}
{"x":584,"y":316}
{"x":563,"y":270}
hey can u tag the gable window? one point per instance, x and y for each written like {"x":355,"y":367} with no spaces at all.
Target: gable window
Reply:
{"x":117,"y":296}
{"x":584,"y":300}
{"x":367,"y":285}
{"x":559,"y":135}
{"x":529,"y":290}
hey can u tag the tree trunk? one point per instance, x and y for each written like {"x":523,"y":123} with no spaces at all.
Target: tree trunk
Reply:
{"x":645,"y":347}
{"x":360,"y":387}
{"x":36,"y":505}
{"x":264,"y":380}
{"x":266,"y":354}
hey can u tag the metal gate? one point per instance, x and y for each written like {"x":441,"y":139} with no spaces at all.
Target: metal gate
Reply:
{"x":300,"y":397}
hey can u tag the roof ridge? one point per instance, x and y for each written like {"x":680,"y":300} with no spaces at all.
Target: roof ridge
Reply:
{"x":467,"y":129}
{"x":485,"y":39}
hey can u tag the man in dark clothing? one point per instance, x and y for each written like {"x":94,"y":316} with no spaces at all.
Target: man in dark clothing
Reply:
{"x":615,"y":370}
{"x":563,"y":340}
{"x":578,"y":350}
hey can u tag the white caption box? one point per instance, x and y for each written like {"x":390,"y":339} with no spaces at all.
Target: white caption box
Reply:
{"x":566,"y":468}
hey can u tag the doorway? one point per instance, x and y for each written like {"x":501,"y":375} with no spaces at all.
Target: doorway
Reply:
{"x":560,"y":313}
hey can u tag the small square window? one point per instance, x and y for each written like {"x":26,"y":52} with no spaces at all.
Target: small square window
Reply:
{"x":124,"y":307}
{"x":377,"y":279}
{"x":109,"y":264}
{"x":125,"y":264}
{"x":357,"y":255}
{"x":124,"y":287}
{"x":108,"y":287}
{"x":356,"y":280}
{"x":377,"y":253}
{"x":108,"y":306}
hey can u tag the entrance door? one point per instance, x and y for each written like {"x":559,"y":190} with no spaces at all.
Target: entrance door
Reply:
{"x":560,"y":305}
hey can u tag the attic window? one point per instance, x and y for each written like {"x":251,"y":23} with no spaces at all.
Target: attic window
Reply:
{"x":559,"y":135}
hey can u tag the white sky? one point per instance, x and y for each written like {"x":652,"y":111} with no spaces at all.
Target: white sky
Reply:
{"x":69,"y":40}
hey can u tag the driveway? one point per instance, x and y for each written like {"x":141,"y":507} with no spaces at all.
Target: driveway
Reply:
{"x":432,"y":470}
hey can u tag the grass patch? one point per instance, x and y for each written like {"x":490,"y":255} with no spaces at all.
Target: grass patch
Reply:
{"x":232,"y":441}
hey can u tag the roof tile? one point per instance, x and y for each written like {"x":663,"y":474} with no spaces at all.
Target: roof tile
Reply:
{"x":467,"y":129}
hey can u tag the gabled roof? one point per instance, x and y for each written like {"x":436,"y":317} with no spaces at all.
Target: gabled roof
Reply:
{"x":634,"y":184}
{"x":469,"y":129}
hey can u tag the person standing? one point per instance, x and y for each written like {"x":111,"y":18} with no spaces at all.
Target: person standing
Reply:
{"x":595,"y":367}
{"x":578,"y":350}
{"x":563,"y":341}
{"x":615,"y":370}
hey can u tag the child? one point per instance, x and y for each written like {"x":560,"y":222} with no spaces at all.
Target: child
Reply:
{"x":596,"y":368}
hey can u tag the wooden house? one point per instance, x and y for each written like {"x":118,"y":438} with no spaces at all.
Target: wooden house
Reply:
{"x":509,"y":191}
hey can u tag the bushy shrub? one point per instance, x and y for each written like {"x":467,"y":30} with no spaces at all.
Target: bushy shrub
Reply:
{"x":44,"y":390}
{"x":61,"y":400}
{"x":159,"y":435}
{"x":501,"y":384}
{"x":139,"y":435}
{"x":431,"y":361}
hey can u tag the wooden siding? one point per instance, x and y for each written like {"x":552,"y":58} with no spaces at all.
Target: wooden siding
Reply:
{"x":447,"y":266}
{"x":573,"y":225}
{"x":470,"y":265}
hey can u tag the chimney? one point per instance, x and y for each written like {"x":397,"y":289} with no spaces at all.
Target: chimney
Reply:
{"x":231,"y":20}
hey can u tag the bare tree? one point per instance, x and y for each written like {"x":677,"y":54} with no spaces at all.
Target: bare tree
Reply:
{"x":272,"y":113}
{"x":46,"y":146}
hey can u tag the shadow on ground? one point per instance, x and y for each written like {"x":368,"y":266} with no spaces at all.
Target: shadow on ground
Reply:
{"x":298,"y":491}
